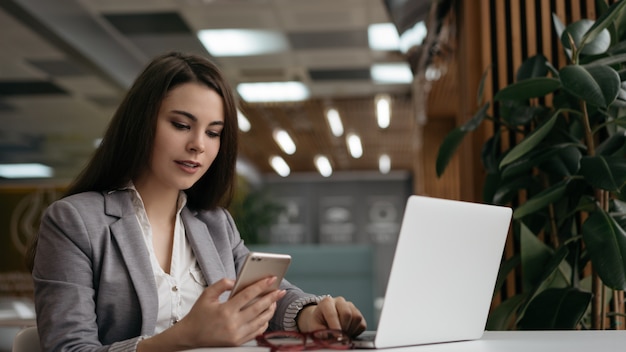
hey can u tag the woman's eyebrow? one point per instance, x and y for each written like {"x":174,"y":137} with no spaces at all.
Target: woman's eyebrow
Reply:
{"x":195,"y":119}
{"x":186,"y":114}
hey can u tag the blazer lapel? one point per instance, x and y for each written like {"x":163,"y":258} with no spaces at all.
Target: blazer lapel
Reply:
{"x":203,"y":247}
{"x":127,"y":233}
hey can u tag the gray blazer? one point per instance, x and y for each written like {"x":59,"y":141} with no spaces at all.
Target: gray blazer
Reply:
{"x":94,"y":287}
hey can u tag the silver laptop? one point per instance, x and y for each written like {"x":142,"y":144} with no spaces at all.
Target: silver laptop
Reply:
{"x":443,"y":273}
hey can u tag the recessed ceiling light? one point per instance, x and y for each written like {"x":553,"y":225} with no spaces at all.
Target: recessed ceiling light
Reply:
{"x":243,"y":122}
{"x":413,"y":36}
{"x":354,"y":145}
{"x":383,"y":111}
{"x":323,"y":165}
{"x":280,"y":166}
{"x":384,"y":164}
{"x":397,"y":72}
{"x":334,"y":121}
{"x":284,"y":141}
{"x":383,"y":36}
{"x":242,"y":42}
{"x":28,"y":170}
{"x":273,"y":91}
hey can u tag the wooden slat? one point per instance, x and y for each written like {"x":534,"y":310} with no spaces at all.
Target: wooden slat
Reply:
{"x":530,"y":27}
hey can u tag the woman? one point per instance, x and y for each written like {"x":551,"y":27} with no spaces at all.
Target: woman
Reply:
{"x":139,"y":255}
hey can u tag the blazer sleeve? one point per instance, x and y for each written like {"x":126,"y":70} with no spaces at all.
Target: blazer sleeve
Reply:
{"x":64,"y":281}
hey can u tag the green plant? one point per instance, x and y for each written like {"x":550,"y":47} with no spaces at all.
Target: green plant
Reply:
{"x":253,"y":211}
{"x":564,"y":175}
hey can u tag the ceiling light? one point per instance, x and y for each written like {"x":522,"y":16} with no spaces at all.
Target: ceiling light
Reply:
{"x":323,"y":165}
{"x":334,"y":121}
{"x":284,"y":141}
{"x":242,"y":120}
{"x":280,"y":166}
{"x":354,"y":145}
{"x":384,"y":164}
{"x":432,"y":73}
{"x":398,"y":72}
{"x":29,"y":170}
{"x":242,"y":42}
{"x":413,"y":36}
{"x":383,"y":36}
{"x":383,"y":111}
{"x":273,"y":91}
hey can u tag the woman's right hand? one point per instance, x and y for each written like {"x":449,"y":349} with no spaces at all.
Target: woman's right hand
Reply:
{"x":211,"y":323}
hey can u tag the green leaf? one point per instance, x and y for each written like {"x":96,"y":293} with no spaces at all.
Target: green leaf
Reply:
{"x":528,"y":88}
{"x":600,"y":25}
{"x":477,"y":119}
{"x":530,"y":142}
{"x":597,"y":85}
{"x":505,"y":269}
{"x":584,"y":43}
{"x":541,"y":200}
{"x":607,"y":61}
{"x":490,"y":187}
{"x":534,"y":66}
{"x":618,"y":212}
{"x":534,"y":257}
{"x":621,"y":121}
{"x":606,"y":243}
{"x":517,"y":113}
{"x":538,"y":156}
{"x":564,"y":164}
{"x":556,"y":308}
{"x":508,"y":189}
{"x":501,"y":317}
{"x":481,"y":87}
{"x":611,"y":145}
{"x":452,"y":141}
{"x":448,"y":148}
{"x":490,"y":153}
{"x":604,"y":172}
{"x":559,"y":27}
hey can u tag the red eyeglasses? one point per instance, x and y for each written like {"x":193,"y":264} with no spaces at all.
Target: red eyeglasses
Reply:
{"x":298,"y":341}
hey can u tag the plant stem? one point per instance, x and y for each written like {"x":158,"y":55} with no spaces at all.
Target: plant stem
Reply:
{"x":554,"y":237}
{"x":588,"y":133}
{"x":618,"y":315}
{"x":597,"y":287}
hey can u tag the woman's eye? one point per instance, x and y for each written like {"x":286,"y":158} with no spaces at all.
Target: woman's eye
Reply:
{"x":213,"y":134}
{"x":179,"y":125}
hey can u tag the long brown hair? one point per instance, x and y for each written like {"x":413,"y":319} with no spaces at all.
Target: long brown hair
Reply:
{"x":128,"y":142}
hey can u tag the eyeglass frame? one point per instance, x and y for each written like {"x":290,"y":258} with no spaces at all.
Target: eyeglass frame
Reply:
{"x":303,"y":337}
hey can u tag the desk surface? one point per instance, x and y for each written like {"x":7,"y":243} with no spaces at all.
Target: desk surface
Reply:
{"x":508,"y":341}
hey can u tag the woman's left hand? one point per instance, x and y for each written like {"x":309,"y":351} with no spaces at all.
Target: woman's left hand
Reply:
{"x":332,"y":313}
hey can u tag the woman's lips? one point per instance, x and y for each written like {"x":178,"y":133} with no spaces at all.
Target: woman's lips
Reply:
{"x":188,"y":166}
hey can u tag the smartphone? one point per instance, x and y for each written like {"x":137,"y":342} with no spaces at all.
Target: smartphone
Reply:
{"x":260,"y":265}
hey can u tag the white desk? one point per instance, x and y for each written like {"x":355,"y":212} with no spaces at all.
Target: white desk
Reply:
{"x":508,"y":341}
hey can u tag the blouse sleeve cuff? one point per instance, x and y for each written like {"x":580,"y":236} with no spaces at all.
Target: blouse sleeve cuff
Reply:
{"x":127,"y":345}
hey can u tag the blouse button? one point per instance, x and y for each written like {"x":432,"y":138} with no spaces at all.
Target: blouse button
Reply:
{"x":174,"y":288}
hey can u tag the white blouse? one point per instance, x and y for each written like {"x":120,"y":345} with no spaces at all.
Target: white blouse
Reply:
{"x":179,"y":289}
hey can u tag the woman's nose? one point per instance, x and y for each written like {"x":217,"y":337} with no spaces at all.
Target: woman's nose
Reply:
{"x":196,"y":144}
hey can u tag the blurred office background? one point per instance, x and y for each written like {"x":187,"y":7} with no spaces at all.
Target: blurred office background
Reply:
{"x":373,"y":86}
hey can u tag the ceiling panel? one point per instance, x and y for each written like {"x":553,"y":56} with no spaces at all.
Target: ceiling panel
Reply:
{"x":80,"y":56}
